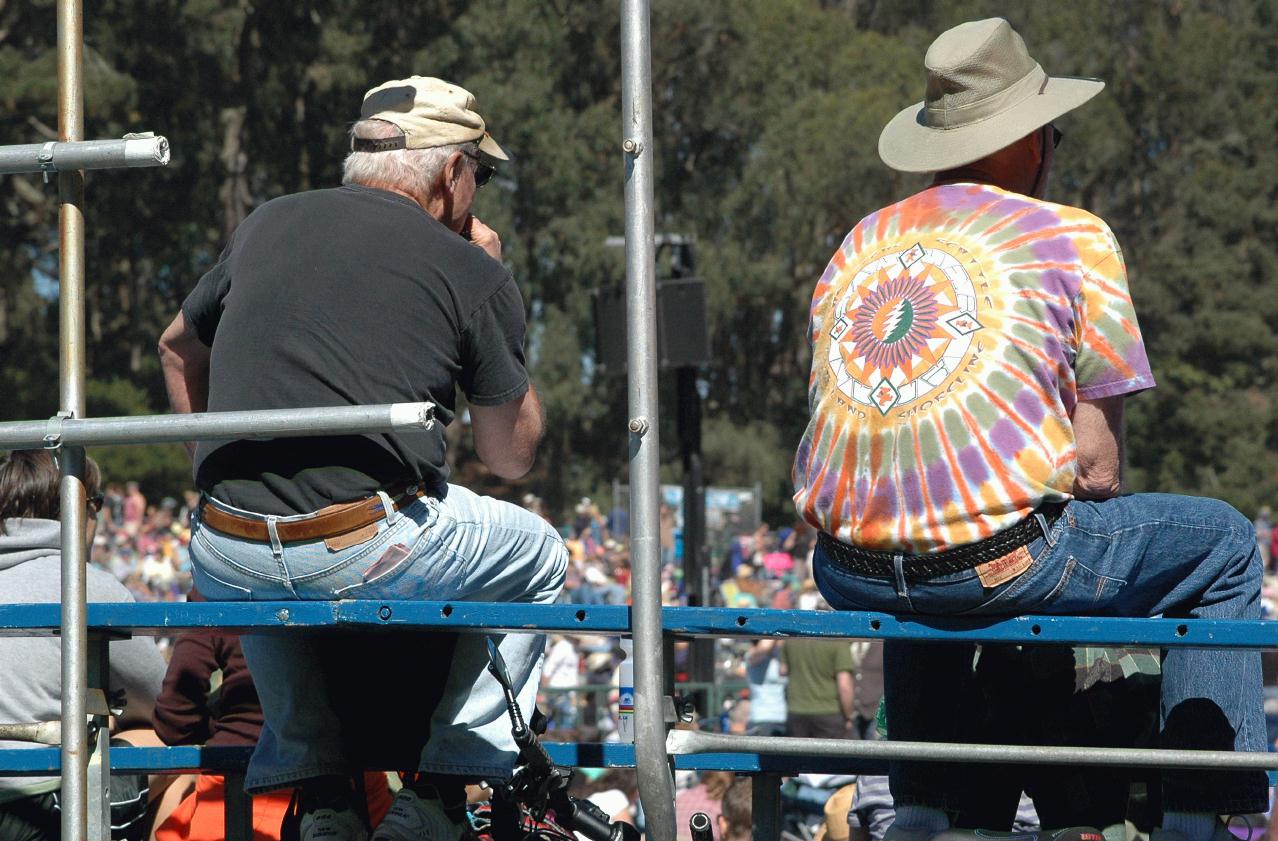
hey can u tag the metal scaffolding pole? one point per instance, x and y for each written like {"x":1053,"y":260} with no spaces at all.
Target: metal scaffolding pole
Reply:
{"x":215,"y":426}
{"x":656,"y":786}
{"x":75,"y":744}
{"x":686,"y":742}
{"x":132,"y":151}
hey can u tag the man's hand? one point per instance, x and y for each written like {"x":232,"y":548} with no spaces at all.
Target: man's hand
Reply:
{"x":485,"y":237}
{"x":1098,"y":436}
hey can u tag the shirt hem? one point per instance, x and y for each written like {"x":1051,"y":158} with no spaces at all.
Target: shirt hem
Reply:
{"x":502,"y":397}
{"x":1128,"y":386}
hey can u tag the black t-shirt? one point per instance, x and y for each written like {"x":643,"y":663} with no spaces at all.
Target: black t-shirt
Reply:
{"x":343,"y":297}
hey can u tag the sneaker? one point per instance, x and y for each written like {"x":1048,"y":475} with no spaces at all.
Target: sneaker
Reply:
{"x":333,"y":825}
{"x":413,"y":818}
{"x":1073,"y":833}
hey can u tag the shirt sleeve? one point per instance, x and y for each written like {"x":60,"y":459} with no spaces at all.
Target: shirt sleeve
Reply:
{"x":181,"y":712}
{"x":1111,"y":357}
{"x":203,"y":307}
{"x":843,"y":658}
{"x":493,"y":369}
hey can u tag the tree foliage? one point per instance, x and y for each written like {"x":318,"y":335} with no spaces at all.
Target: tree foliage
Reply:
{"x":767,"y":116}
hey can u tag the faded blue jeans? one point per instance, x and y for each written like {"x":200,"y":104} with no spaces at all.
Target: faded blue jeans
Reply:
{"x":1137,"y":555}
{"x":463,"y":546}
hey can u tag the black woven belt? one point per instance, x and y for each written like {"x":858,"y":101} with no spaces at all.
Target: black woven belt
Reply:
{"x":879,"y":564}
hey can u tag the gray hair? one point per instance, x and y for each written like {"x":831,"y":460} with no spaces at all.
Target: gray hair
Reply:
{"x":412,"y":170}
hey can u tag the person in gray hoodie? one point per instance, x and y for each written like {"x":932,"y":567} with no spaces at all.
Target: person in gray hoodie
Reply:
{"x":30,"y":667}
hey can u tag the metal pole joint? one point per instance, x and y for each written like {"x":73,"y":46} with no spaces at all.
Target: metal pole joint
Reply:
{"x":631,"y":146}
{"x":45,"y":159}
{"x":638,"y":426}
{"x":53,"y":429}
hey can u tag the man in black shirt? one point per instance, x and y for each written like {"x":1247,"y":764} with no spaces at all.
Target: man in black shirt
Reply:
{"x":384,"y":290}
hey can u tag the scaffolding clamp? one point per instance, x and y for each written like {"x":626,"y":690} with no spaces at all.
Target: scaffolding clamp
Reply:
{"x":45,"y":159}
{"x":53,"y":428}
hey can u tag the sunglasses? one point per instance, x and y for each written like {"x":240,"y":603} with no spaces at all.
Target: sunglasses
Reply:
{"x":483,"y":172}
{"x":1057,"y":136}
{"x":95,"y":503}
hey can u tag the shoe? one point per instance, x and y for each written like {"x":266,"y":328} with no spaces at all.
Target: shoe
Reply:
{"x":333,"y":825}
{"x":1221,"y":833}
{"x":1073,"y":833}
{"x":413,"y":818}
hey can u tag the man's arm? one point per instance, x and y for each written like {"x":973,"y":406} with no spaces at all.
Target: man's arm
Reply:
{"x":1098,"y":432}
{"x":506,"y":436}
{"x":846,"y":693}
{"x":184,"y":359}
{"x":761,"y":651}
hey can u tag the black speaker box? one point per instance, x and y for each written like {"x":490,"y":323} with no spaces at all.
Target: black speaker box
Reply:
{"x":682,"y":336}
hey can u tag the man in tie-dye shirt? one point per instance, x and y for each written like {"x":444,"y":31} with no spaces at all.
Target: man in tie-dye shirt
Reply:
{"x":954,"y":335}
{"x":972,"y":348}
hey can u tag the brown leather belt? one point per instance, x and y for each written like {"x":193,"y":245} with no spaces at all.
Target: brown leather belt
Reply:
{"x":333,"y":521}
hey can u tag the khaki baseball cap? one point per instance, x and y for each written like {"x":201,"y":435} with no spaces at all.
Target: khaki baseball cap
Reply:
{"x":431,"y":112}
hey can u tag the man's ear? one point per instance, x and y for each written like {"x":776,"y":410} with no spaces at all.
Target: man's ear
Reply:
{"x":453,"y":168}
{"x":449,"y":173}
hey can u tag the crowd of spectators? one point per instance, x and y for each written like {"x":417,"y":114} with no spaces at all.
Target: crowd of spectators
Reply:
{"x":144,"y":543}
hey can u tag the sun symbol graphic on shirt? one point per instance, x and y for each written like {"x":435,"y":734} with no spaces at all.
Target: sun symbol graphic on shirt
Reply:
{"x":892,"y":326}
{"x":902,"y":326}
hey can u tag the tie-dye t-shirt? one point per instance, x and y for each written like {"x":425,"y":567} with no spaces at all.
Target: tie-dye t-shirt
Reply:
{"x":952,"y":335}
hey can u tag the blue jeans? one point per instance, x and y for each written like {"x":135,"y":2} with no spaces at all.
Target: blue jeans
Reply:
{"x":1137,"y":555}
{"x":463,"y":546}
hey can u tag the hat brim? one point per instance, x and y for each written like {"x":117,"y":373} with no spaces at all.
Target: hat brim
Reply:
{"x":489,"y":149}
{"x":908,"y":145}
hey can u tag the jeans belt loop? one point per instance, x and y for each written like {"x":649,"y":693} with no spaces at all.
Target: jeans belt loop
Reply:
{"x":272,"y":529}
{"x":898,"y":572}
{"x":1042,"y":526}
{"x":392,"y":516}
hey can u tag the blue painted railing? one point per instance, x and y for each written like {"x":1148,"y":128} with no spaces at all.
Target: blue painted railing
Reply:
{"x":169,"y":618}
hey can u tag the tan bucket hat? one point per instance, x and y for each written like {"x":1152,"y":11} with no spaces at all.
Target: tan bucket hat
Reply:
{"x":431,"y":113}
{"x":984,"y":92}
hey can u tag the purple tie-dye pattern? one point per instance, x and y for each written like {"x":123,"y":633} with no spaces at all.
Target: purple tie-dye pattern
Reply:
{"x":885,"y":499}
{"x":1029,"y":407}
{"x":1054,"y":316}
{"x":1006,"y":438}
{"x":1062,"y":317}
{"x":801,"y":458}
{"x":1136,"y":357}
{"x":975,"y":470}
{"x":1040,"y":220}
{"x":862,"y":494}
{"x":940,"y":487}
{"x":1058,"y":250}
{"x":964,"y":198}
{"x":912,"y":492}
{"x":1003,"y":209}
{"x":1059,"y":284}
